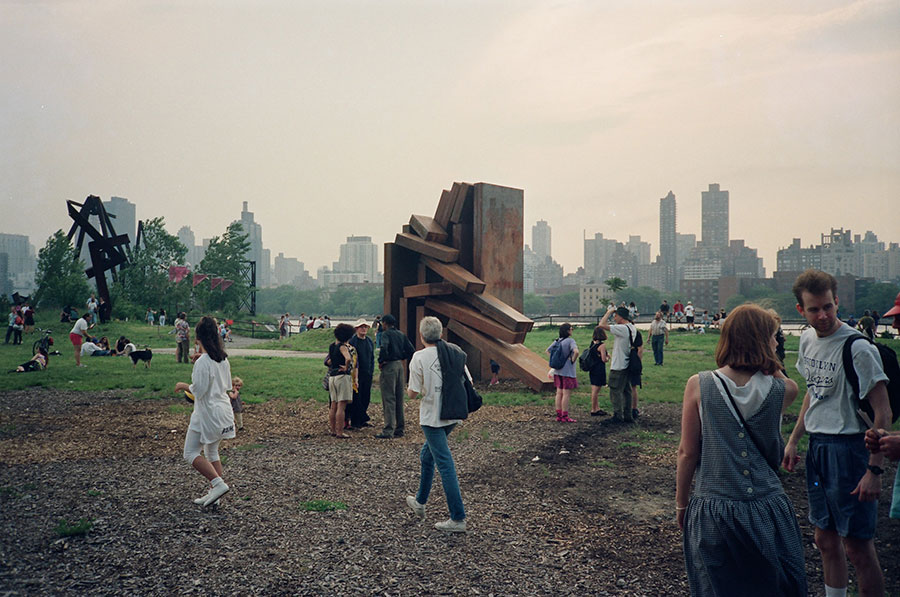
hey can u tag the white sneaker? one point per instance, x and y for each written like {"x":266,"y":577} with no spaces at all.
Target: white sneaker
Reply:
{"x":215,"y":493}
{"x":417,"y":508}
{"x":201,"y":500}
{"x":451,"y":526}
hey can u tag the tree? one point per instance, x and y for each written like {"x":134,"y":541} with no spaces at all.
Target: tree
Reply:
{"x":878,"y":296}
{"x":615,"y":284}
{"x":645,"y":298}
{"x":225,"y":258}
{"x":60,"y":275}
{"x":534,"y":305}
{"x":145,"y":282}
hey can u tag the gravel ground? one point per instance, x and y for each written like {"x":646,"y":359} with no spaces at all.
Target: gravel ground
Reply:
{"x":553,"y":509}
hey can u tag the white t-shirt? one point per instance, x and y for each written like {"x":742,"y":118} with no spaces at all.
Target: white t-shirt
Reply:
{"x":89,"y":348}
{"x":425,"y":378}
{"x":212,"y":416}
{"x":689,"y":311}
{"x":749,"y":397}
{"x":621,"y":347}
{"x":80,"y":326}
{"x":832,"y":405}
{"x":658,"y":327}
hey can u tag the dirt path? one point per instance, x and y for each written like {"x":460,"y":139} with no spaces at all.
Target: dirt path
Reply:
{"x":553,"y":509}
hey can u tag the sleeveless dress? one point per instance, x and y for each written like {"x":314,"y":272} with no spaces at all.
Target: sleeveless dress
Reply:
{"x":740,"y":532}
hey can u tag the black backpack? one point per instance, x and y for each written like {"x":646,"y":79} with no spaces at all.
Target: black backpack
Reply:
{"x":588,"y":358}
{"x":635,"y":367}
{"x":891,"y":369}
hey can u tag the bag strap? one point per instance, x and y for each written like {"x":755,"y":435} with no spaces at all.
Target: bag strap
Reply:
{"x":849,"y":368}
{"x":744,"y":422}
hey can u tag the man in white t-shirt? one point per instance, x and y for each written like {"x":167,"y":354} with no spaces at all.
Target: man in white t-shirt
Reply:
{"x":78,"y":335}
{"x":619,"y":382}
{"x":843,"y":480}
{"x":689,"y":315}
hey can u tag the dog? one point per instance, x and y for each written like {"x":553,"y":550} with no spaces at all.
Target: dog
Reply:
{"x":138,"y":355}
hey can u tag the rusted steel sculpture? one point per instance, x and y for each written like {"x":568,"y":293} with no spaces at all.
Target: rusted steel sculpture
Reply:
{"x":107,"y":249}
{"x":464,"y":266}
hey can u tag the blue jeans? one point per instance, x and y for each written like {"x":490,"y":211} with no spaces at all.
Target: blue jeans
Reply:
{"x":436,"y":451}
{"x":657,"y":343}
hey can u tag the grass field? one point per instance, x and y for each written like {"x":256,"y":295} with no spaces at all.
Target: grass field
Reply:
{"x":300,"y":378}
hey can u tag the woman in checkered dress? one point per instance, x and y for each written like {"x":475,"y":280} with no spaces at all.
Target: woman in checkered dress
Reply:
{"x":740,"y":531}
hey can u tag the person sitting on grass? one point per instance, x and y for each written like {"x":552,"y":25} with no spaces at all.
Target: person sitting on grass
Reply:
{"x":38,"y":362}
{"x":212,"y":419}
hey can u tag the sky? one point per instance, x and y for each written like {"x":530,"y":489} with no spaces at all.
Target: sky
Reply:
{"x":345,"y":117}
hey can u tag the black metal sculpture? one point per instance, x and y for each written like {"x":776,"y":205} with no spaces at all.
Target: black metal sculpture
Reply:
{"x":107,"y":249}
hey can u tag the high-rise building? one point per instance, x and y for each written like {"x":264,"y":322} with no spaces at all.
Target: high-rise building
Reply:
{"x":256,"y":252}
{"x":638,"y":248}
{"x":668,"y":246}
{"x":540,"y":240}
{"x":5,"y":282}
{"x":20,"y":253}
{"x":598,"y":252}
{"x":359,"y":255}
{"x":714,"y":217}
{"x":123,"y":215}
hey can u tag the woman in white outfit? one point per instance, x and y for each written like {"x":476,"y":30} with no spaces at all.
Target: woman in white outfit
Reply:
{"x":212,"y":419}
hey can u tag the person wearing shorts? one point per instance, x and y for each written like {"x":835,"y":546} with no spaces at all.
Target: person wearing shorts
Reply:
{"x":843,"y":479}
{"x":620,"y":394}
{"x":564,"y":379}
{"x":78,"y":335}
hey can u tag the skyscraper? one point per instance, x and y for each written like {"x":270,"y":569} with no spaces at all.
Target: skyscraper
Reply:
{"x":668,"y":245}
{"x":540,"y":240}
{"x":359,"y":255}
{"x":256,"y":252}
{"x":125,"y":220}
{"x":714,"y":217}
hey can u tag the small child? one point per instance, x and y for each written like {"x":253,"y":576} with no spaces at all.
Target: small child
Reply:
{"x":236,"y":405}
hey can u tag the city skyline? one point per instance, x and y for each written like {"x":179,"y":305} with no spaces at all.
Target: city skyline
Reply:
{"x":360,"y":111}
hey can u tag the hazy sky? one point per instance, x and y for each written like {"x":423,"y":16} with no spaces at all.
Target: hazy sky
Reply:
{"x":340,"y":118}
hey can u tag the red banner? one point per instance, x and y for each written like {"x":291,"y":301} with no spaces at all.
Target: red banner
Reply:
{"x":226,"y":284}
{"x":177,"y":273}
{"x":216,"y":282}
{"x":199,"y":278}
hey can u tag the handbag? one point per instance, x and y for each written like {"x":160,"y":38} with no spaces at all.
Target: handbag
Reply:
{"x":744,"y":423}
{"x":473,"y":398}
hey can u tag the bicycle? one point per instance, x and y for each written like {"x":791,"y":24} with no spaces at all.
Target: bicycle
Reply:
{"x":45,"y":342}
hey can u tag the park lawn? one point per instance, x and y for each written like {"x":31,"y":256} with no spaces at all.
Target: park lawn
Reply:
{"x":264,"y":378}
{"x":309,"y":341}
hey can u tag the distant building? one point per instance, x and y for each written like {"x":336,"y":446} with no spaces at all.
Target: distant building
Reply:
{"x":540,"y":240}
{"x":653,"y":275}
{"x":592,"y":297}
{"x":195,"y":252}
{"x":685,"y":243}
{"x":21,"y":263}
{"x":795,"y":258}
{"x":640,"y":249}
{"x":883,"y":265}
{"x":5,"y":283}
{"x":668,"y":245}
{"x":540,"y":273}
{"x":598,"y":252}
{"x":359,"y":255}
{"x":291,"y":271}
{"x":329,"y":280}
{"x":256,"y":252}
{"x":123,"y":215}
{"x":714,"y":217}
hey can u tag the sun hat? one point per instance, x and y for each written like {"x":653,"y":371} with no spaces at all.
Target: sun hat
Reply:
{"x":361,"y":322}
{"x":896,"y":309}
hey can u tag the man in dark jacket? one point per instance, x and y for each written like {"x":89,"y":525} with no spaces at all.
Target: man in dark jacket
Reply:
{"x":365,"y":353}
{"x":395,"y":348}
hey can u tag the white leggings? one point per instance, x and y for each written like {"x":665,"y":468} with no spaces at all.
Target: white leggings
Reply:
{"x":192,"y":448}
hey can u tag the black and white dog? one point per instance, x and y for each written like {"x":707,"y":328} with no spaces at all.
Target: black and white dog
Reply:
{"x":144,"y":355}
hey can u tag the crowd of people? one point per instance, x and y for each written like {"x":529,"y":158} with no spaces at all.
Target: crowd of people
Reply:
{"x":740,"y":531}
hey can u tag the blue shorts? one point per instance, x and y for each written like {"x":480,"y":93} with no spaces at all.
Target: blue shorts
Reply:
{"x":834,"y":466}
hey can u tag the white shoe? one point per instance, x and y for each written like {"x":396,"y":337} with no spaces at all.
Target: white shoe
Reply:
{"x":417,"y":508}
{"x":451,"y":526}
{"x":201,"y":500}
{"x":215,"y":493}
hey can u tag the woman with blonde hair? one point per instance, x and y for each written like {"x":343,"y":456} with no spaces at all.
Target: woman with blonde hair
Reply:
{"x":740,"y":531}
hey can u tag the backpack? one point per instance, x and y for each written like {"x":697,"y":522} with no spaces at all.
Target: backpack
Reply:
{"x":635,"y":367}
{"x":588,"y":359}
{"x":891,"y":369}
{"x":557,"y":358}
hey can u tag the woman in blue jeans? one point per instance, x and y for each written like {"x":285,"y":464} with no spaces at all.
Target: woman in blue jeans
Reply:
{"x":425,"y":381}
{"x":659,"y":334}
